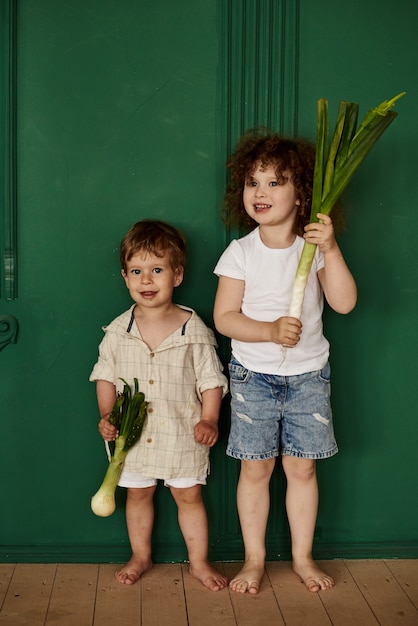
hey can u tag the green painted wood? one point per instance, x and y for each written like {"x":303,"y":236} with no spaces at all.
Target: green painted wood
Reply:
{"x":365,"y":52}
{"x":8,"y":185}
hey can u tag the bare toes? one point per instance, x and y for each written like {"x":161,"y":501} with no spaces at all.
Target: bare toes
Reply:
{"x":127,"y":578}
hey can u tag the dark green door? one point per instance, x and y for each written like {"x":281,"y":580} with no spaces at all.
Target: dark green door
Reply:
{"x":127,"y":110}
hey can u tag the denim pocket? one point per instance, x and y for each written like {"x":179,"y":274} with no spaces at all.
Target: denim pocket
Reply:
{"x":325,"y":374}
{"x":238,"y":373}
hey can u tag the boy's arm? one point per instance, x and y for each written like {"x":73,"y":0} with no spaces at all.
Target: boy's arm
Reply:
{"x":106,"y":396}
{"x":206,"y":431}
{"x":336,"y":279}
{"x":229,"y":320}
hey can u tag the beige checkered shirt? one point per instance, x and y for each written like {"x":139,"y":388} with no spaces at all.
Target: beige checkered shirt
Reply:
{"x":172,"y":377}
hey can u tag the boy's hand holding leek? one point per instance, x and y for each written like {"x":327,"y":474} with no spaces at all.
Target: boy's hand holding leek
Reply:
{"x":124,"y":428}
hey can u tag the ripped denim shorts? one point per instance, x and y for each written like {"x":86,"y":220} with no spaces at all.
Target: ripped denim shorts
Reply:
{"x":287,"y":415}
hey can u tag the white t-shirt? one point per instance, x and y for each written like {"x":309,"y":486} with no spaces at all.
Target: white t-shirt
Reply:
{"x":269,"y":274}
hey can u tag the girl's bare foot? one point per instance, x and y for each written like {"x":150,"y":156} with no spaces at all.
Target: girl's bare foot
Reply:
{"x":132,"y":571}
{"x":248,"y":579}
{"x":208,"y":576}
{"x":312,"y":576}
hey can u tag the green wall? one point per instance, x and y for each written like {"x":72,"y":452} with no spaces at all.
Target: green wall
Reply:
{"x":366,"y":52}
{"x":125,"y":111}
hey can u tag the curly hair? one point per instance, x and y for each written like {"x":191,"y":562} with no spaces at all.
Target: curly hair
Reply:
{"x":288,"y":156}
{"x":154,"y":237}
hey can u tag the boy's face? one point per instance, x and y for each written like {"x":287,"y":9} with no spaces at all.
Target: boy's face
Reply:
{"x":151,"y":279}
{"x":268,"y":201}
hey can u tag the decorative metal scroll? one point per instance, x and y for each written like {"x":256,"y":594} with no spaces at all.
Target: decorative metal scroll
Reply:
{"x":8,"y":330}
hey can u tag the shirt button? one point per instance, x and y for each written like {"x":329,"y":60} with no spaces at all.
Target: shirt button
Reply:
{"x":149,"y":440}
{"x":151,"y":382}
{"x":152,"y":354}
{"x":150,"y":410}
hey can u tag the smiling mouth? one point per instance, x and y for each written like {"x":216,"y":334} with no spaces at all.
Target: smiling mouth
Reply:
{"x":262,"y":207}
{"x":147,"y":294}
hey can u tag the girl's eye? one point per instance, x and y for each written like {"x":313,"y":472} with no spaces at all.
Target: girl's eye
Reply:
{"x":274,"y":183}
{"x":157,"y":270}
{"x":250,"y":183}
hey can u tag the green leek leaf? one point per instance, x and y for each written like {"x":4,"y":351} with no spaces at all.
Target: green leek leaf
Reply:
{"x":335,"y":166}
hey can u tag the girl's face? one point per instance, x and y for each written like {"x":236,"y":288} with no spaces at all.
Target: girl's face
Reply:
{"x":268,"y":201}
{"x":151,"y":279}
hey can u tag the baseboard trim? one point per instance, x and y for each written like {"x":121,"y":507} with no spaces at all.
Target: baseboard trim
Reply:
{"x":218,"y":552}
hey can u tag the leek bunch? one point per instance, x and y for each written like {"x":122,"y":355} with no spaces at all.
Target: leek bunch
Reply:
{"x":335,"y":165}
{"x":128,"y":415}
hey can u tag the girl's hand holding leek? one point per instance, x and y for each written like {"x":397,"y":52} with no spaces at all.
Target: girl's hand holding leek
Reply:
{"x":321,"y":234}
{"x":286,"y":330}
{"x":336,"y":279}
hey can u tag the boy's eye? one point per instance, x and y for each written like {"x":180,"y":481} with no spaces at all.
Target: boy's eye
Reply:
{"x":136,"y":272}
{"x":157,"y":270}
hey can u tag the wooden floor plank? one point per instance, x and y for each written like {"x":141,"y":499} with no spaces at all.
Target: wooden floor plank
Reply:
{"x":254,"y":610}
{"x":367,"y":593}
{"x":27,"y":597}
{"x":162,"y":596}
{"x":73,"y":595}
{"x":205,"y":607}
{"x":406,"y":572}
{"x":116,"y":604}
{"x":6,"y":573}
{"x":385,"y":596}
{"x":345,"y":594}
{"x":297,"y":605}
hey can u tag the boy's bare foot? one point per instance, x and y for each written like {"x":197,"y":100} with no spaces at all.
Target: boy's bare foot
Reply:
{"x":312,"y":576}
{"x":208,"y":576}
{"x":132,"y":571}
{"x":248,"y":579}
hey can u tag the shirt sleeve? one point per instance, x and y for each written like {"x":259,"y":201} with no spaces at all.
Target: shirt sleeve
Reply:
{"x":319,"y":257}
{"x":208,"y":369}
{"x":104,"y":369}
{"x":231,"y":262}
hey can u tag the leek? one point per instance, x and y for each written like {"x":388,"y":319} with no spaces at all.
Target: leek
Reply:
{"x":128,"y":415}
{"x":335,"y":165}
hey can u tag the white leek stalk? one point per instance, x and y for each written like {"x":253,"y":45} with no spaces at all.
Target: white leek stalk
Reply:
{"x":128,"y":416}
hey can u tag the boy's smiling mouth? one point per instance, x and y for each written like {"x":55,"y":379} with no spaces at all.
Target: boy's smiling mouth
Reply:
{"x":148,"y":294}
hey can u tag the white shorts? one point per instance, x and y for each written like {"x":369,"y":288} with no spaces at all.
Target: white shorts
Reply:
{"x":135,"y":480}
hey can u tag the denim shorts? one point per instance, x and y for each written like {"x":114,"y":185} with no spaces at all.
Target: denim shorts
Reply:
{"x":288,"y":415}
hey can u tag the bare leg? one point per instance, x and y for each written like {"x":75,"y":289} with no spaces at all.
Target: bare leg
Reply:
{"x":253,"y":499}
{"x":302,"y":509}
{"x":194,"y":526}
{"x":140,"y":520}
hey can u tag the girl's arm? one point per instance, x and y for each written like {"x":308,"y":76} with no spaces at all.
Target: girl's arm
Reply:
{"x":106,"y":396}
{"x":229,"y":320}
{"x":336,"y":279}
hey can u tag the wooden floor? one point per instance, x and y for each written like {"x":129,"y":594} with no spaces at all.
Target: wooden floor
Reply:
{"x":367,"y":592}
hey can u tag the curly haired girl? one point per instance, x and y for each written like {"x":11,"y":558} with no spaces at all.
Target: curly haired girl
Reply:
{"x":280,"y":399}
